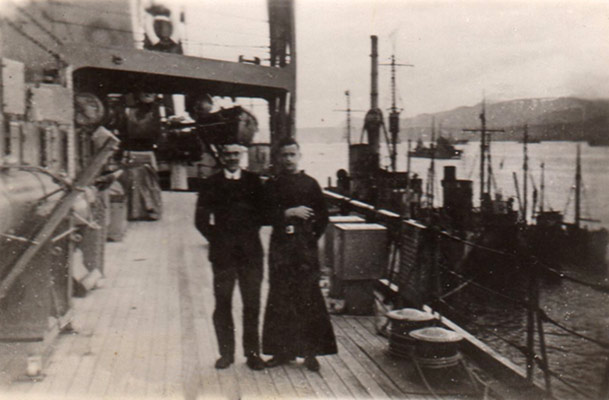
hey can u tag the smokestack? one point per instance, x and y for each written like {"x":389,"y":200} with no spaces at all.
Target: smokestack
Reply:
{"x":374,"y":74}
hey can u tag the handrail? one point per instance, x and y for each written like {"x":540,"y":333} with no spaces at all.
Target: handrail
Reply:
{"x":535,"y":314}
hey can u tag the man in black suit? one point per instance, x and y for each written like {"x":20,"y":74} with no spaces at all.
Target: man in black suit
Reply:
{"x":228,"y":215}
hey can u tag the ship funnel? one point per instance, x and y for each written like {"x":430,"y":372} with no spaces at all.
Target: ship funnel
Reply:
{"x":458,"y":197}
{"x":374,"y":116}
{"x":374,"y":73}
{"x":450,"y":173}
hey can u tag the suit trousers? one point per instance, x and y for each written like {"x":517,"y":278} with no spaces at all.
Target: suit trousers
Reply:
{"x":248,"y":272}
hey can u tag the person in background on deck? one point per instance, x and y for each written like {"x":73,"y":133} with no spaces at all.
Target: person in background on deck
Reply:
{"x":228,"y":215}
{"x":296,"y":322}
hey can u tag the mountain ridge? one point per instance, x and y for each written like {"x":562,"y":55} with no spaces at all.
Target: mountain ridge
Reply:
{"x":560,"y":118}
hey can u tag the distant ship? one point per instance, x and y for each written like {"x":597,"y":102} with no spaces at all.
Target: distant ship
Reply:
{"x":442,"y":150}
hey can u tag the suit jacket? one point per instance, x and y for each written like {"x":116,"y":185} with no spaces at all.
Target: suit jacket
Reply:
{"x":229,"y":214}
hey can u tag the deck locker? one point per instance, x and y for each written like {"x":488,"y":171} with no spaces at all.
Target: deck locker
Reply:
{"x":328,"y":249}
{"x":360,"y":257}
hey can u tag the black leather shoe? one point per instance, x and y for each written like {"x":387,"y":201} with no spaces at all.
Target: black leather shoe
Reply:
{"x":255,"y":362}
{"x":224,"y":362}
{"x":311,"y":363}
{"x":277,"y":361}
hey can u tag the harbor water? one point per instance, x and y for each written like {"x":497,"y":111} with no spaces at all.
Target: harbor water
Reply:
{"x":579,"y":308}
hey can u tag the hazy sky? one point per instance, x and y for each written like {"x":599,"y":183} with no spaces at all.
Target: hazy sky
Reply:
{"x":507,"y":49}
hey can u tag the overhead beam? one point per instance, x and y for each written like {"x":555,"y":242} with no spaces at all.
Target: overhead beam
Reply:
{"x":258,"y":81}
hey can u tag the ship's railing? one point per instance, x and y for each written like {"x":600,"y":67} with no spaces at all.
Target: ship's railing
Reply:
{"x":485,"y":288}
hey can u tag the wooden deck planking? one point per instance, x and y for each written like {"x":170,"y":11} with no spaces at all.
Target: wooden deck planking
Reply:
{"x":124,"y":340}
{"x":204,"y":339}
{"x":159,"y":350}
{"x":155,"y":313}
{"x":146,"y":332}
{"x":319,"y":385}
{"x":399,"y":370}
{"x":95,"y":376}
{"x":191,"y":341}
{"x":363,"y":375}
{"x":367,"y":364}
{"x":71,"y":369}
{"x":173,"y":363}
{"x":213,"y":382}
{"x":335,"y":382}
{"x":135,"y":382}
{"x":130,"y":356}
{"x":296,"y":373}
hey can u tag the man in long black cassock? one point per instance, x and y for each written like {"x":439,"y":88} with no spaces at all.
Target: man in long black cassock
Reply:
{"x":229,"y":216}
{"x":296,"y":322}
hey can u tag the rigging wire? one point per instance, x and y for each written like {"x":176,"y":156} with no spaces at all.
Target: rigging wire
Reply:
{"x":543,"y":264}
{"x":515,"y":345}
{"x":568,"y":200}
{"x":214,"y":29}
{"x":570,"y":385}
{"x":585,"y":203}
{"x":85,"y":25}
{"x":87,"y":7}
{"x":546,"y":318}
{"x":520,"y":348}
{"x":197,"y":43}
{"x":263,"y":21}
{"x":474,"y":164}
{"x":56,"y":55}
{"x":543,"y":314}
{"x":486,"y":289}
{"x":596,"y":286}
{"x":37,"y":23}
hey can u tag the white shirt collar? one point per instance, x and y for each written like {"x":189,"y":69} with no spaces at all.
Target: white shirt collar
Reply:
{"x":232,"y":175}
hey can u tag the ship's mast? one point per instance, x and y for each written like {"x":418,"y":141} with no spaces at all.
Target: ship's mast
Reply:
{"x":394,"y":115}
{"x":408,"y":159}
{"x":542,"y":187}
{"x":432,"y":165}
{"x":348,"y":95}
{"x":489,"y":164}
{"x":482,"y":148}
{"x":394,"y":118}
{"x":348,"y":110}
{"x":484,"y":132}
{"x":525,"y":168}
{"x":578,"y":179}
